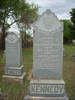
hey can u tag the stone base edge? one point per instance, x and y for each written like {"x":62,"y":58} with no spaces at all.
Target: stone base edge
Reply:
{"x":47,"y":88}
{"x":14,"y":71}
{"x":20,"y":79}
{"x":45,"y":98}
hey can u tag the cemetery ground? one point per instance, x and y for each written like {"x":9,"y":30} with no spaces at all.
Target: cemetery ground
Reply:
{"x":15,"y":91}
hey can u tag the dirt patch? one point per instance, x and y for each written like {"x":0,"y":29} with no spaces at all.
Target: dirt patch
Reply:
{"x":2,"y":65}
{"x":29,"y":75}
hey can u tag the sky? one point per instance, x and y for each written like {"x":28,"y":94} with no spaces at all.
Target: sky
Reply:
{"x":60,"y":7}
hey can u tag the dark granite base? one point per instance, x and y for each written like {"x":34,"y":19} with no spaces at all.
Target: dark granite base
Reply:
{"x":45,"y":98}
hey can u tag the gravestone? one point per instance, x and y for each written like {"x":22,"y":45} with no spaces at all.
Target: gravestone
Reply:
{"x":14,"y":68}
{"x":47,"y":83}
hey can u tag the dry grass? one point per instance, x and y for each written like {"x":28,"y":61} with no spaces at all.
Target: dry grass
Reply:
{"x":69,"y":71}
{"x":15,"y":91}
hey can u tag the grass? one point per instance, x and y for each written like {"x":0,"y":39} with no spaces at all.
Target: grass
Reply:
{"x":69,"y":50}
{"x":2,"y":57}
{"x":12,"y":89}
{"x":69,"y":71}
{"x":16,"y":91}
{"x":28,"y":59}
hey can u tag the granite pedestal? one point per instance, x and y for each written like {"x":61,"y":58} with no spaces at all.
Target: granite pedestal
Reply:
{"x":45,"y":98}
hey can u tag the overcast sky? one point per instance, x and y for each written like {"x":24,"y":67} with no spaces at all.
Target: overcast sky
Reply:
{"x":60,"y":7}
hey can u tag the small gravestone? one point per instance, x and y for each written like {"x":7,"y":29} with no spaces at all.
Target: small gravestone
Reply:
{"x":14,"y":68}
{"x":47,"y":83}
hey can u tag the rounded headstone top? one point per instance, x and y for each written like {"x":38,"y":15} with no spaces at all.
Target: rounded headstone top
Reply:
{"x":48,"y":11}
{"x":47,"y":21}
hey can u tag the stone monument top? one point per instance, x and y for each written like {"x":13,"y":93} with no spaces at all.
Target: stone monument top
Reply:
{"x":48,"y":21}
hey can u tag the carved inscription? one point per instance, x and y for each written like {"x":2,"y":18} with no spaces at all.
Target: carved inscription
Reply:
{"x":47,"y":89}
{"x":13,"y":72}
{"x":47,"y":47}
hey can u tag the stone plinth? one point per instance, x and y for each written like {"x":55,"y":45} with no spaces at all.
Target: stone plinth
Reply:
{"x":14,"y":71}
{"x":53,"y":88}
{"x":20,"y":79}
{"x":46,"y":90}
{"x":45,"y":98}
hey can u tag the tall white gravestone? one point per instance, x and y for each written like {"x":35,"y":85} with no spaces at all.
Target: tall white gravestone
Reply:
{"x":47,"y":83}
{"x":14,"y":67}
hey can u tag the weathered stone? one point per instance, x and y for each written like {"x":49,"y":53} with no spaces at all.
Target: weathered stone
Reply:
{"x":13,"y":53}
{"x":47,"y":83}
{"x":47,"y":88}
{"x":13,"y":50}
{"x":45,"y":98}
{"x":48,"y":47}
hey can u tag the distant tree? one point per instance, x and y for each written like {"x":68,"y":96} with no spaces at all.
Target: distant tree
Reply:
{"x":9,"y":8}
{"x":14,"y":9}
{"x":29,"y":16}
{"x":72,"y":26}
{"x":67,"y":35}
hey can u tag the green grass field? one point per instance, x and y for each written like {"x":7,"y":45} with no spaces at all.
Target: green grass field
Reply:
{"x":15,"y":91}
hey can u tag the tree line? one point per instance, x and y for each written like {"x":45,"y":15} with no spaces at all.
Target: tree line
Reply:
{"x":23,"y":15}
{"x":69,"y":28}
